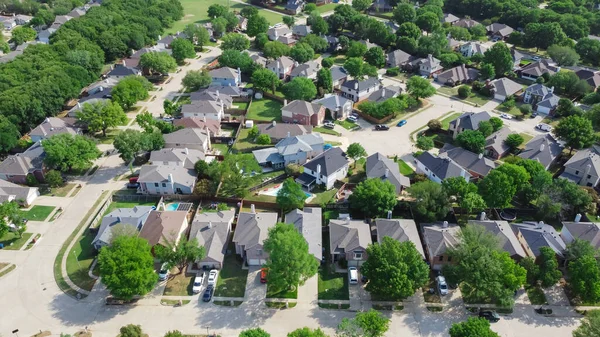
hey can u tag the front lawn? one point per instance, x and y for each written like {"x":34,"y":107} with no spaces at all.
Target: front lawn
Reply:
{"x":179,"y":285}
{"x":405,"y":170}
{"x":122,"y":204}
{"x":332,"y":285}
{"x":232,"y":278}
{"x":265,"y":110}
{"x":80,"y":259}
{"x":326,"y":131}
{"x":474,"y":98}
{"x":526,"y":138}
{"x":11,"y":240}
{"x":449,"y":118}
{"x":326,"y":8}
{"x":346,"y":124}
{"x":58,"y":191}
{"x":272,"y":293}
{"x":37,"y":213}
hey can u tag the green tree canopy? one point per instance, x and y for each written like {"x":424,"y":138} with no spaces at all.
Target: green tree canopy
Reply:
{"x":257,"y":24}
{"x":590,"y":325}
{"x":66,"y":152}
{"x":160,"y":62}
{"x":256,"y":332}
{"x":290,"y":196}
{"x":275,"y":49}
{"x":301,"y":88}
{"x":367,"y":323}
{"x":9,"y":134}
{"x":302,"y":52}
{"x":130,"y":143}
{"x":235,"y":41}
{"x":431,"y":202}
{"x":196,"y":79}
{"x":180,"y":254}
{"x":584,"y":278}
{"x":419,"y":87}
{"x":497,"y":189}
{"x":500,"y":58}
{"x":100,"y":116}
{"x":472,"y":140}
{"x":375,"y":57}
{"x":266,"y":80}
{"x":576,"y":131}
{"x":324,"y":80}
{"x":182,"y":49}
{"x":307,"y":332}
{"x":549,"y":273}
{"x":130,"y":90}
{"x":374,"y":197}
{"x":472,"y":327}
{"x":22,"y":34}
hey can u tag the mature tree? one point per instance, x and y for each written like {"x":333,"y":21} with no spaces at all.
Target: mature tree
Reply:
{"x":261,"y":40}
{"x":256,"y":332}
{"x":549,"y":273}
{"x":302,"y":52}
{"x":526,"y":109}
{"x":409,"y":30}
{"x":576,"y":131}
{"x":404,"y":12}
{"x":9,"y":134}
{"x":355,"y":67}
{"x":419,"y":87}
{"x":514,"y":141}
{"x":309,"y":8}
{"x":459,"y":33}
{"x":290,"y":264}
{"x":590,"y":325}
{"x":375,"y":57}
{"x":317,"y":43}
{"x":361,"y":5}
{"x":289,"y":21}
{"x":578,"y":248}
{"x":464,"y":91}
{"x":130,"y":143}
{"x":249,"y":11}
{"x":485,"y":128}
{"x":567,"y":83}
{"x":196,"y":79}
{"x":275,"y":49}
{"x":471,"y":140}
{"x":374,"y":197}
{"x":127,"y":267}
{"x":290,"y":196}
{"x":257,"y":24}
{"x":235,"y":41}
{"x":131,"y":330}
{"x":9,"y":214}
{"x":472,"y":202}
{"x":307,"y":332}
{"x":319,"y":26}
{"x":395,"y":270}
{"x":22,"y":34}
{"x":497,"y":189}
{"x":216,"y":10}
{"x":367,"y":323}
{"x":356,"y":49}
{"x":425,"y":143}
{"x":130,"y":90}
{"x":487,"y":71}
{"x":434,"y":124}
{"x":182,"y":49}
{"x":301,"y":88}
{"x":264,"y":79}
{"x":324,"y":80}
{"x":472,"y":327}
{"x":497,"y":123}
{"x":431,"y":202}
{"x":236,"y":59}
{"x":407,"y":44}
{"x":589,"y":50}
{"x":100,"y":116}
{"x":174,"y":333}
{"x":563,"y":55}
{"x":463,"y":192}
{"x":543,"y":35}
{"x":428,"y":21}
{"x":180,"y":254}
{"x":66,"y":152}
{"x":355,"y":151}
{"x":160,"y":62}
{"x":584,"y":278}
{"x":54,"y":178}
{"x":500,"y":58}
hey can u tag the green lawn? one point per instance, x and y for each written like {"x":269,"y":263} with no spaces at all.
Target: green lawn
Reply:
{"x":474,"y":98}
{"x":326,"y":131}
{"x":346,"y":124}
{"x":224,"y":148}
{"x":323,"y":197}
{"x":449,"y":118}
{"x":80,"y":259}
{"x":63,"y":190}
{"x":265,"y":110}
{"x":326,"y":8}
{"x":37,"y":213}
{"x":179,"y":285}
{"x":11,"y":240}
{"x":195,"y":11}
{"x":332,"y":285}
{"x":404,"y":168}
{"x":242,"y":142}
{"x":272,"y":293}
{"x":240,"y":105}
{"x":120,"y":204}
{"x":109,"y":138}
{"x":232,"y":278}
{"x":526,"y":138}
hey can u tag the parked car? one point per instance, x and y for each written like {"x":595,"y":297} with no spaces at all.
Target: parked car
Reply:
{"x":133,"y":185}
{"x":442,"y":285}
{"x":212,"y":277}
{"x":164,"y":272}
{"x":208,"y":293}
{"x":198,"y":282}
{"x":134,"y":179}
{"x":381,"y":127}
{"x":263,"y":275}
{"x":506,"y":116}
{"x":352,"y":275}
{"x":329,"y":124}
{"x":533,"y":115}
{"x":402,"y":122}
{"x":544,"y":127}
{"x":168,"y":119}
{"x":490,"y":315}
{"x":536,"y":58}
{"x":353,"y":119}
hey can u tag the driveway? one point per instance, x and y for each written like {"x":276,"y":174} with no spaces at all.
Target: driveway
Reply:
{"x":308,"y":294}
{"x":255,"y":291}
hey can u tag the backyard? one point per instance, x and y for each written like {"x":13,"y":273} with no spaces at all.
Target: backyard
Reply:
{"x":244,"y":143}
{"x":122,"y":204}
{"x":265,"y":110}
{"x":232,"y":278}
{"x":475,"y":98}
{"x":37,"y":213}
{"x":405,"y":170}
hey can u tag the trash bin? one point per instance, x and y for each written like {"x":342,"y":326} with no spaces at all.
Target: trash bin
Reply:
{"x":1,"y":245}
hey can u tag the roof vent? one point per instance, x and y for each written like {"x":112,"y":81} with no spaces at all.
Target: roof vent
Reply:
{"x":445,"y":224}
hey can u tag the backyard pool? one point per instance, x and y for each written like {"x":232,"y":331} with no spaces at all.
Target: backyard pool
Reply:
{"x":273,"y":192}
{"x":172,"y":207}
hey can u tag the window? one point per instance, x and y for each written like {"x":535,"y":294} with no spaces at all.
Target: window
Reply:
{"x":589,"y":176}
{"x":449,"y":258}
{"x":576,"y":172}
{"x":358,"y":255}
{"x":589,"y":184}
{"x":155,"y":184}
{"x":441,"y":258}
{"x":259,"y":251}
{"x":164,"y":185}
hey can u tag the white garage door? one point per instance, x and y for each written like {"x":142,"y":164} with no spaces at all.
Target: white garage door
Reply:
{"x":254,"y":262}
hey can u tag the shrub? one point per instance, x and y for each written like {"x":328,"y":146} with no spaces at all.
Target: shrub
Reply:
{"x":54,"y":178}
{"x":327,"y":62}
{"x":30,"y":180}
{"x":263,"y":139}
{"x":395,"y":71}
{"x":477,"y":86}
{"x":464,"y":91}
{"x":525,"y":109}
{"x":434,"y":125}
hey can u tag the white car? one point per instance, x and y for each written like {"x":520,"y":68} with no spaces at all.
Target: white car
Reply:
{"x":212,"y":277}
{"x":442,"y":285}
{"x":168,"y":119}
{"x":198,"y":282}
{"x":329,"y":125}
{"x":506,"y":116}
{"x":536,"y":58}
{"x":352,"y":119}
{"x":164,"y":272}
{"x":544,"y":127}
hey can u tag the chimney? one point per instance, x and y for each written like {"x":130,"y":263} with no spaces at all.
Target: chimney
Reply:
{"x":578,"y":217}
{"x":284,"y":102}
{"x":551,"y":89}
{"x":542,"y":147}
{"x":106,"y":80}
{"x":539,"y":224}
{"x":383,"y":92}
{"x":387,"y":172}
{"x":47,"y":120}
{"x":274,"y":123}
{"x":482,"y":216}
{"x":123,"y":62}
{"x":187,"y":151}
{"x":218,"y":93}
{"x":252,"y":209}
{"x":319,"y":169}
{"x":445,"y":224}
{"x":389,"y":214}
{"x":170,"y":178}
{"x":480,"y":155}
{"x":159,"y":38}
{"x":356,"y":86}
{"x":288,"y":134}
{"x":588,"y":167}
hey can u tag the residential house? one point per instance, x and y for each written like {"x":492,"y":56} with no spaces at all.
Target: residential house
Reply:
{"x":326,"y":169}
{"x":294,"y":6}
{"x":495,"y":144}
{"x":381,"y":6}
{"x":577,"y":230}
{"x":300,"y":31}
{"x":281,"y":131}
{"x":471,"y":48}
{"x":467,"y":121}
{"x":9,"y":23}
{"x":308,"y":222}
{"x":308,"y":70}
{"x":221,"y":99}
{"x":439,"y":168}
{"x":452,"y":43}
{"x":43,"y":36}
{"x":367,"y":43}
{"x":517,"y":57}
{"x":380,"y":166}
{"x":541,"y":98}
{"x":165,"y":42}
{"x":15,"y":168}
{"x":338,"y":106}
{"x":458,"y":75}
{"x":287,"y":40}
{"x":125,"y":220}
{"x":291,"y":150}
{"x":543,"y":149}
{"x":211,"y":230}
{"x":590,"y":76}
{"x":225,"y":76}
{"x":186,"y":158}
{"x":430,"y":66}
{"x":164,"y":228}
{"x":198,"y":139}
{"x":393,"y":27}
{"x":78,"y":12}
{"x":333,"y":43}
{"x":99,"y":97}
{"x":450,"y":18}
{"x":22,"y":19}
{"x":476,"y":164}
{"x":499,"y":31}
{"x":211,"y":125}
{"x":120,"y":71}
{"x":583,"y":168}
{"x":276,"y":32}
{"x":53,"y":126}
{"x":338,"y":76}
{"x":348,"y":240}
{"x":303,"y":112}
{"x":503,"y":88}
{"x":536,"y":69}
{"x":167,"y":180}
{"x":384,"y":94}
{"x":17,"y":52}
{"x":358,"y":90}
{"x":535,"y":235}
{"x":401,"y":230}
{"x":229,"y":90}
{"x":399,"y":58}
{"x":250,"y":233}
{"x":103,"y":86}
{"x":465,"y":23}
{"x":259,"y":60}
{"x":214,"y":110}
{"x":506,"y":237}
{"x":281,"y":66}
{"x":242,"y":23}
{"x":23,"y":195}
{"x":438,"y":238}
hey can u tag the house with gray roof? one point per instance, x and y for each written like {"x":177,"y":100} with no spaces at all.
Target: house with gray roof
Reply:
{"x":339,"y":107}
{"x":543,"y":148}
{"x":165,"y":180}
{"x":495,"y":144}
{"x":211,"y":125}
{"x":506,"y":237}
{"x":382,"y":6}
{"x":476,"y":164}
{"x":303,"y":113}
{"x":358,"y":90}
{"x":333,"y":42}
{"x":178,"y":157}
{"x":308,"y":223}
{"x":279,"y":131}
{"x":225,"y":76}
{"x":250,"y":233}
{"x":281,"y":66}
{"x":542,"y":99}
{"x":259,"y":60}
{"x":211,"y":230}
{"x":326,"y":169}
{"x":290,"y":150}
{"x":294,"y":6}
{"x":101,"y":86}
{"x":300,"y":31}
{"x":457,"y":75}
{"x":15,"y":168}
{"x":385,"y":93}
{"x":438,"y":238}
{"x":229,"y":90}
{"x":277,"y":32}
{"x":592,"y":77}
{"x":438,"y":168}
{"x":583,"y":168}
{"x":399,"y":58}
{"x":578,"y":230}
{"x":348,"y":240}
{"x":120,"y":71}
{"x":164,"y":228}
{"x":308,"y":70}
{"x":204,"y":109}
{"x":338,"y":76}
{"x":121,"y":220}
{"x":401,"y":230}
{"x":190,"y":138}
{"x":224,"y":101}
{"x":22,"y":195}
{"x":467,"y":121}
{"x":535,"y":235}
{"x":499,"y":31}
{"x":54,"y":126}
{"x":450,"y":18}
{"x":367,"y":43}
{"x":43,"y":36}
{"x":471,"y":48}
{"x":429,"y":66}
{"x":536,"y":69}
{"x":465,"y":23}
{"x":382,"y":167}
{"x":503,"y":88}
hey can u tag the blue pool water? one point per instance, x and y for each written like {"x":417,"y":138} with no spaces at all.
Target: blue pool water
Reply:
{"x":172,"y":207}
{"x":273,"y":192}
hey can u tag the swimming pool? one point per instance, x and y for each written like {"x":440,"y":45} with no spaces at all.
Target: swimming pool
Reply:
{"x":273,"y":192}
{"x":172,"y":207}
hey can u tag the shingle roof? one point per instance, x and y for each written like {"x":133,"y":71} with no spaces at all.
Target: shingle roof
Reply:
{"x":401,"y":230}
{"x":458,"y":74}
{"x":499,"y":28}
{"x":308,"y":222}
{"x":120,"y":70}
{"x":279,"y":31}
{"x":384,"y":94}
{"x":538,"y":235}
{"x":302,"y":143}
{"x":505,"y":87}
{"x":252,"y":228}
{"x":398,"y":58}
{"x":587,"y":231}
{"x":302,"y":108}
{"x":8,"y":189}
{"x":281,"y":62}
{"x":332,"y":102}
{"x":161,"y":173}
{"x":212,"y":125}
{"x":224,"y":72}
{"x":185,"y":157}
{"x":229,"y":90}
{"x":348,"y":235}
{"x":286,"y":39}
{"x":280,"y":131}
{"x":330,"y":161}
{"x":131,"y":217}
{"x":450,"y":18}
{"x":543,"y":148}
{"x":497,"y":140}
{"x":539,"y":68}
{"x":506,"y":237}
{"x":438,"y":239}
{"x":582,"y":158}
{"x":590,"y":76}
{"x":24,"y":163}
{"x":378,"y":165}
{"x":478,"y":48}
{"x":163,"y":227}
{"x":186,"y":136}
{"x":301,"y":30}
{"x":338,"y":73}
{"x":268,"y":155}
{"x":466,"y":23}
{"x":442,"y":167}
{"x":221,"y":99}
{"x":259,"y":60}
{"x":430,"y":62}
{"x":306,"y":69}
{"x":370,"y":82}
{"x":211,"y":229}
{"x":54,"y":126}
{"x":467,"y":159}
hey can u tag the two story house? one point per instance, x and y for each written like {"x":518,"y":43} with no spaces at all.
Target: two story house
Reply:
{"x":250,"y":233}
{"x":324,"y":169}
{"x":281,"y":66}
{"x":166,"y":180}
{"x":438,"y":238}
{"x":584,"y":167}
{"x":348,"y":240}
{"x":338,"y":106}
{"x":291,"y":150}
{"x":430,"y":66}
{"x":176,"y":157}
{"x":471,"y":48}
{"x":225,"y":76}
{"x":439,"y":168}
{"x":204,"y":109}
{"x":15,"y":168}
{"x":358,"y":90}
{"x":542,"y":99}
{"x":467,"y":121}
{"x":190,"y":138}
{"x":303,"y":112}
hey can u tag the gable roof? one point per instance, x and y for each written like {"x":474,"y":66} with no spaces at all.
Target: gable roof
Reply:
{"x":252,"y":228}
{"x":450,"y":18}
{"x":215,"y":96}
{"x":471,"y":120}
{"x":505,"y":87}
{"x":280,"y":131}
{"x":133,"y":217}
{"x":398,"y":58}
{"x":259,"y":60}
{"x":497,"y":140}
{"x":302,"y":108}
{"x":543,"y":148}
{"x":380,"y":166}
{"x":476,"y":47}
{"x":585,"y":158}
{"x":400,"y":230}
{"x":506,"y":237}
{"x":370,"y":82}
{"x":204,"y":107}
{"x":224,"y":72}
{"x":348,"y":235}
{"x":120,"y":70}
{"x":162,"y":173}
{"x":329,"y":161}
{"x":301,"y":30}
{"x":441,"y":167}
{"x":587,"y":231}
{"x":185,"y":157}
{"x":10,"y":191}
{"x":333,"y":102}
{"x":466,"y":23}
{"x":438,"y":239}
{"x":384,"y":94}
{"x":53,"y":126}
{"x":211,"y":229}
{"x":590,"y":76}
{"x":338,"y":73}
{"x":212,"y":125}
{"x":539,"y":68}
{"x":281,"y":63}
{"x":467,"y":159}
{"x":301,"y":143}
{"x":186,"y":136}
{"x":163,"y":227}
{"x":308,"y":222}
{"x":499,"y":28}
{"x":458,"y":74}
{"x":229,"y":90}
{"x":23,"y":163}
{"x":538,"y":235}
{"x":306,"y":69}
{"x":430,"y":62}
{"x":547,"y":97}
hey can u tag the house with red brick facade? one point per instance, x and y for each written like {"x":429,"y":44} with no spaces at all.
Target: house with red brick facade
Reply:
{"x":303,"y":112}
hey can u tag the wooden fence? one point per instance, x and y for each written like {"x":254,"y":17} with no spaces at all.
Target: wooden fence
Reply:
{"x":280,"y":177}
{"x":273,"y":97}
{"x":372,"y":119}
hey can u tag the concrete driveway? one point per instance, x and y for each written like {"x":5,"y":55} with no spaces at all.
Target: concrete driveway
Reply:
{"x":255,"y":291}
{"x":308,"y":293}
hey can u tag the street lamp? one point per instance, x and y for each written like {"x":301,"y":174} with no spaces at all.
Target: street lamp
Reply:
{"x":16,"y":332}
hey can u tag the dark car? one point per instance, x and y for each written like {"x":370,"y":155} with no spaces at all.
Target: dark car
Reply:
{"x":490,"y":315}
{"x":208,"y":293}
{"x":133,"y":185}
{"x":381,"y":127}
